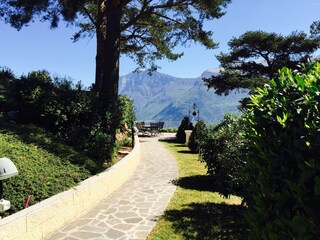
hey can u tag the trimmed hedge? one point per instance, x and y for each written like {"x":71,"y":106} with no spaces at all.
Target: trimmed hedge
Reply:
{"x":197,"y":136}
{"x":185,"y":124}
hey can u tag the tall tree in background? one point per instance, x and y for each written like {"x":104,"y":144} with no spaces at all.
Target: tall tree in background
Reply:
{"x":256,"y":56}
{"x":145,"y":30}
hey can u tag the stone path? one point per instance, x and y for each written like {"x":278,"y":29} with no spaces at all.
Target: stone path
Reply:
{"x":130,"y":212}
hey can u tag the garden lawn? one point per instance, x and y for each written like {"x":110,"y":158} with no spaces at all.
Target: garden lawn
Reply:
{"x":196,"y":211}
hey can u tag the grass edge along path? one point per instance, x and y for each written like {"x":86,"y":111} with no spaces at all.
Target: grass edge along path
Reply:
{"x":196,"y":211}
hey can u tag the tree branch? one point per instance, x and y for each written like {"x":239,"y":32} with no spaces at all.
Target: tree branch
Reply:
{"x":87,"y":13}
{"x":165,"y":17}
{"x":152,"y":9}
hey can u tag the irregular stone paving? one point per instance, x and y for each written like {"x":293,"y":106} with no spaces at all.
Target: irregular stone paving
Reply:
{"x":130,"y":212}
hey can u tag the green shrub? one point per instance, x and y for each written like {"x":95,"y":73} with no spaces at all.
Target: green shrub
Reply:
{"x":66,"y":110}
{"x":222,"y":151}
{"x":6,"y":78}
{"x":283,"y":171}
{"x":170,"y":129}
{"x":184,"y":125}
{"x":54,"y":104}
{"x":42,"y":172}
{"x":197,"y":136}
{"x":126,"y":112}
{"x":32,"y":93}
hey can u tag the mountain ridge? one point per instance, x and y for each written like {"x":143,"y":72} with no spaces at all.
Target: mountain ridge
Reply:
{"x":164,"y":97}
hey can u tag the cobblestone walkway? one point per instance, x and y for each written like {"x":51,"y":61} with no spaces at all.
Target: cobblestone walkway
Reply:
{"x":131,"y":212}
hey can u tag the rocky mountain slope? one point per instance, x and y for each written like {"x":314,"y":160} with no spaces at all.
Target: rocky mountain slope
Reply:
{"x":163,"y":97}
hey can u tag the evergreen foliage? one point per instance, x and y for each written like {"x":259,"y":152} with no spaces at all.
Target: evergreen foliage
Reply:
{"x":222,"y":151}
{"x":144,"y":30}
{"x":149,"y":30}
{"x":315,"y":29}
{"x":256,"y":56}
{"x":184,"y":125}
{"x":283,"y":169}
{"x":6,"y":77}
{"x":197,"y":136}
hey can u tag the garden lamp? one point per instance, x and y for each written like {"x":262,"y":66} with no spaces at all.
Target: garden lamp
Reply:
{"x":7,"y":170}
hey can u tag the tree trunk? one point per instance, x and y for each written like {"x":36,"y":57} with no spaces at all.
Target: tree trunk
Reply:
{"x":110,"y":79}
{"x":100,"y":46}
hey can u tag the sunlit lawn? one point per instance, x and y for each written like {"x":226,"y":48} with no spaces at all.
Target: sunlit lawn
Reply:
{"x":196,"y":211}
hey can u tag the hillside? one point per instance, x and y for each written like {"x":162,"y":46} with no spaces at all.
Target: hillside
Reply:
{"x":46,"y":166}
{"x":168,"y":98}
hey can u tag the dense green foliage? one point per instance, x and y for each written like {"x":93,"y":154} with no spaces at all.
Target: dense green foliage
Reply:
{"x":46,"y":166}
{"x":256,"y":56}
{"x":197,"y":136}
{"x":315,"y":28}
{"x":222,"y":152}
{"x":283,"y":169}
{"x":63,"y":109}
{"x":125,"y":112}
{"x":55,"y":104}
{"x":6,"y":77}
{"x":66,"y":110}
{"x":184,"y":125}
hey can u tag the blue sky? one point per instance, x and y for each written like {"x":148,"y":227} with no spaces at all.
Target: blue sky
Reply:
{"x":37,"y":47}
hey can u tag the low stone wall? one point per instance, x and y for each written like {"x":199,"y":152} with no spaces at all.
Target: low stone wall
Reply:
{"x":43,"y":219}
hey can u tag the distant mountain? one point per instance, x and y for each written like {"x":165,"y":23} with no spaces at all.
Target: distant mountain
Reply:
{"x":164,"y":97}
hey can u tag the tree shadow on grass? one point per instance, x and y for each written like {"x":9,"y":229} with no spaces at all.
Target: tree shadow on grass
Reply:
{"x":209,"y":221}
{"x":198,"y":182}
{"x":168,"y":139}
{"x":181,"y":145}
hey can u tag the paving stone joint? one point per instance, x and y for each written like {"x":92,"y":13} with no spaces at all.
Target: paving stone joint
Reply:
{"x":131,"y":212}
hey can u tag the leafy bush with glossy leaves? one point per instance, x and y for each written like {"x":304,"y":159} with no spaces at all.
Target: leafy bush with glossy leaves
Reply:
{"x":185,"y":124}
{"x":283,"y":171}
{"x":126,"y":112}
{"x":222,"y":151}
{"x":197,"y":136}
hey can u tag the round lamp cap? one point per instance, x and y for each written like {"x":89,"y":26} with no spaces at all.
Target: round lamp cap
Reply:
{"x":7,"y":168}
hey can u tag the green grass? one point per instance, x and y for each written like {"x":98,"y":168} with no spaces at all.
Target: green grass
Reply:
{"x":46,"y":167}
{"x":170,"y":130}
{"x":196,"y":210}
